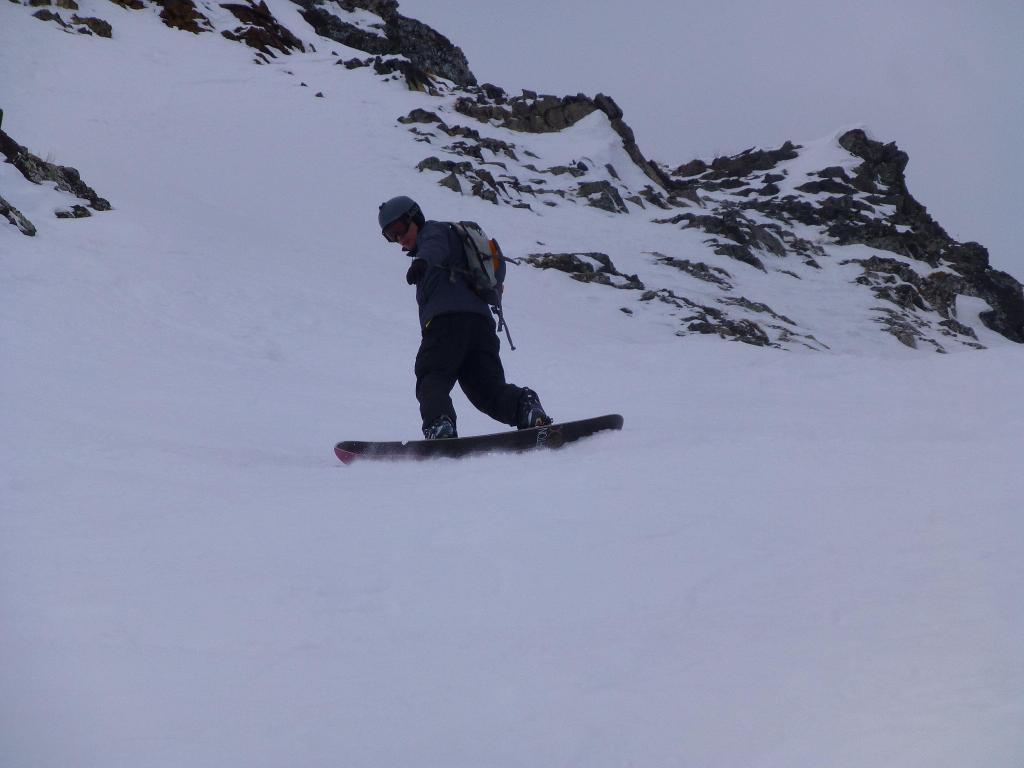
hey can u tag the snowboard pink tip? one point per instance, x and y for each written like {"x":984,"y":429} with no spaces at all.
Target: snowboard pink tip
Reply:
{"x":346,"y":457}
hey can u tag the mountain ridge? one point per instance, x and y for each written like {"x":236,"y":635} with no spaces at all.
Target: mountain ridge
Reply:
{"x":766,"y":210}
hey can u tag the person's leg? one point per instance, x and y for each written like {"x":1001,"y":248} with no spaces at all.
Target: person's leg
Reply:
{"x":438,"y":361}
{"x":482,"y":376}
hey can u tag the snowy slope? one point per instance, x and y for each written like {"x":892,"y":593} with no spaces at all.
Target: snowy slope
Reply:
{"x":785,"y":559}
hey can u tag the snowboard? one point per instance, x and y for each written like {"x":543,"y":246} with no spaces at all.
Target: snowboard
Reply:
{"x":551,"y":436}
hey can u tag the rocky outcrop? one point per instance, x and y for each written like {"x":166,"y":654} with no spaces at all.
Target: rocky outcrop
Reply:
{"x":17,"y":218}
{"x":478,"y":181}
{"x":477,"y":172}
{"x":531,"y":113}
{"x":753,"y":208}
{"x":735,"y":235}
{"x":395,"y":35}
{"x":700,"y":318}
{"x":910,"y":231}
{"x":699,"y":270}
{"x":93,"y":25}
{"x":501,"y":172}
{"x":38,"y":171}
{"x":912,"y":293}
{"x":429,"y":49}
{"x":83,"y":25}
{"x":415,"y":78}
{"x":328,"y":19}
{"x":725,"y":320}
{"x":260,"y":30}
{"x":760,"y":217}
{"x":589,"y":267}
{"x":730,"y":173}
{"x":183,"y":15}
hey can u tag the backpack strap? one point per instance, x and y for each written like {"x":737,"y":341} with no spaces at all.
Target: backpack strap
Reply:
{"x":502,"y":324}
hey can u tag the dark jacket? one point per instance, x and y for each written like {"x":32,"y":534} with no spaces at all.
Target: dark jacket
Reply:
{"x":440,"y":291}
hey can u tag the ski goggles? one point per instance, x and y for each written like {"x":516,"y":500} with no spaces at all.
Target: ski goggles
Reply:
{"x":396,"y":230}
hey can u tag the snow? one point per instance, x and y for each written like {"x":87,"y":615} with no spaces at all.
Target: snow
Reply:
{"x":784,"y":559}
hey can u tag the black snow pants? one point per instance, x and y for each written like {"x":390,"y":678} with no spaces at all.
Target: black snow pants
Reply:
{"x":463,"y":348}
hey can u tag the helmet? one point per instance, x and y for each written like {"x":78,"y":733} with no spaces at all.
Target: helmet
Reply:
{"x":396,"y":208}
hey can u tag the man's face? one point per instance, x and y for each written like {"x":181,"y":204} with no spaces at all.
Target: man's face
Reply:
{"x":408,"y":240}
{"x":402,"y":231}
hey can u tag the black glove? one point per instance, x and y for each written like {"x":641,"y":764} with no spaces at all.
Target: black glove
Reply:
{"x":416,"y":271}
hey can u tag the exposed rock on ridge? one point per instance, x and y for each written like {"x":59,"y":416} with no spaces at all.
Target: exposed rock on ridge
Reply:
{"x":745,"y":219}
{"x":260,"y":30}
{"x":83,"y":25}
{"x":912,"y":232}
{"x":39,"y":171}
{"x":500,"y":171}
{"x":531,"y":113}
{"x":399,"y":35}
{"x":865,"y":203}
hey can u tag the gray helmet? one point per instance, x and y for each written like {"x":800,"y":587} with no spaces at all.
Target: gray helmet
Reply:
{"x":396,"y":208}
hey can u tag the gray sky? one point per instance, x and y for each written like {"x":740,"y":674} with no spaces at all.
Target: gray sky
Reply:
{"x":942,"y":79}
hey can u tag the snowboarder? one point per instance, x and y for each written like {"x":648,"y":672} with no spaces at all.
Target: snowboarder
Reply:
{"x":459,"y":337}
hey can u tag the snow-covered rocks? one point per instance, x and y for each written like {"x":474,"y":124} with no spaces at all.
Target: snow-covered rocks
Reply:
{"x":60,"y":185}
{"x":764,"y":240}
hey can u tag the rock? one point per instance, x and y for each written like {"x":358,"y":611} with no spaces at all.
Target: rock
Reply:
{"x":15,"y":217}
{"x":752,"y":160}
{"x":744,"y":235}
{"x":428,"y":51}
{"x":73,"y":212}
{"x":699,"y":270}
{"x":260,"y":30}
{"x":415,"y":78}
{"x":451,"y":181}
{"x":603,"y":195}
{"x":37,"y":171}
{"x":692,"y":168}
{"x":746,"y":331}
{"x":330,"y":25}
{"x":183,"y":15}
{"x":481,"y":183}
{"x":590,"y":267}
{"x":829,"y":186}
{"x":47,"y":15}
{"x":98,"y":27}
{"x":421,"y":116}
{"x":356,"y":63}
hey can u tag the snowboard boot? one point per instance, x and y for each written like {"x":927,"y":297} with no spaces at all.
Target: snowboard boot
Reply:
{"x":441,"y":429}
{"x":530,"y":413}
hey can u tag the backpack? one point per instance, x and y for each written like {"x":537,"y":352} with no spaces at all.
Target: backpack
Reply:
{"x":483,"y":267}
